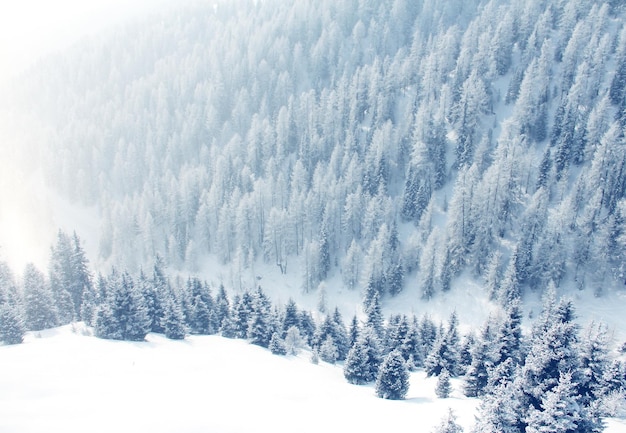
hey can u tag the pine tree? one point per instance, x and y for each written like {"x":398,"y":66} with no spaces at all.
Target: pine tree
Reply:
{"x":222,"y":307}
{"x":324,"y":250}
{"x":293,"y":341}
{"x":510,"y":287}
{"x":465,"y":352}
{"x":396,"y":335}
{"x":560,"y":410}
{"x":448,"y":424}
{"x":492,"y":275}
{"x":412,"y":346}
{"x":553,"y":350}
{"x":477,"y":374}
{"x":308,"y":327}
{"x":594,"y":363}
{"x":508,"y":335}
{"x":500,"y":411}
{"x":427,"y":332}
{"x":39,"y":307}
{"x":340,"y":335}
{"x":91,"y":300}
{"x":328,"y":350}
{"x":445,"y":351}
{"x":443,"y":388}
{"x":277,"y":345}
{"x":291,"y":316}
{"x":260,"y":327}
{"x":173,"y":319}
{"x":353,"y":331}
{"x":155,"y":291}
{"x":355,"y":368}
{"x":364,"y":359}
{"x":393,"y":377}
{"x":374,"y":317}
{"x":123,"y":315}
{"x":201,"y":317}
{"x":12,"y":327}
{"x":69,"y":276}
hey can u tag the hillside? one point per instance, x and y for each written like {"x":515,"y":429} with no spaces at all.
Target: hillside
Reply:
{"x":402,"y":144}
{"x":450,"y":175}
{"x":205,"y":383}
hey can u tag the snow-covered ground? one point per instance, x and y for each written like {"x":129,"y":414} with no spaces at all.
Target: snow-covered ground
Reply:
{"x":65,"y":381}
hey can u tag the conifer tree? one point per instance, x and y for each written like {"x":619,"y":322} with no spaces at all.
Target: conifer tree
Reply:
{"x":393,"y":377}
{"x":364,"y":359}
{"x":155,"y":291}
{"x":594,"y":363}
{"x":445,"y":351}
{"x":123,"y":314}
{"x":501,"y":374}
{"x":91,"y":300}
{"x":12,"y":327}
{"x":374,"y":317}
{"x":328,"y":350}
{"x":308,"y":327}
{"x":353,"y":331}
{"x":396,"y":335}
{"x":293,"y":341}
{"x":69,"y":276}
{"x":277,"y":345}
{"x":508,"y":335}
{"x":443,"y":387}
{"x":240,"y":316}
{"x":260,"y":326}
{"x":222,"y":307}
{"x":502,"y":410}
{"x":427,"y":332}
{"x":291,"y":316}
{"x":355,"y":367}
{"x":340,"y":335}
{"x":39,"y":307}
{"x":465,"y":352}
{"x":173,"y":319}
{"x":201,"y":317}
{"x":477,"y":374}
{"x":448,"y":424}
{"x":560,"y":410}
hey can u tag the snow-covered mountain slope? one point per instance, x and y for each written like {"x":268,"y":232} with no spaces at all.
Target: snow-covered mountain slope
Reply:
{"x":62,"y":380}
{"x":398,"y":143}
{"x":449,"y":154}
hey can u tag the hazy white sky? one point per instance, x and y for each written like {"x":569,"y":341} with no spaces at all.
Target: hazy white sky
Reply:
{"x":32,"y":28}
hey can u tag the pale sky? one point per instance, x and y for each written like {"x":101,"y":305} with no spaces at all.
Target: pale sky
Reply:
{"x":32,"y":28}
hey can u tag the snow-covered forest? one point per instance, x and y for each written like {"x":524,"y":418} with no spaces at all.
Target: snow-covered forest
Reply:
{"x":397,"y":143}
{"x":361,"y":148}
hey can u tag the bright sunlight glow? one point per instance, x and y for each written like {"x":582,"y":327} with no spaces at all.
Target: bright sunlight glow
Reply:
{"x":29,"y":31}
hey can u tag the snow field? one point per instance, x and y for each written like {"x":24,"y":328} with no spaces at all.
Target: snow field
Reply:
{"x":66,"y":381}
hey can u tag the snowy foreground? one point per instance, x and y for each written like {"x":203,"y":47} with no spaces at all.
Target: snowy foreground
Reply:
{"x":63,"y":380}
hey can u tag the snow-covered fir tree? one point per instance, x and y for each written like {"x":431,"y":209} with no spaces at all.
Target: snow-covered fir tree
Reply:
{"x":39,"y":306}
{"x":173,"y":321}
{"x":12,"y":328}
{"x":448,"y":424}
{"x":393,"y":377}
{"x":277,"y":345}
{"x":443,"y":387}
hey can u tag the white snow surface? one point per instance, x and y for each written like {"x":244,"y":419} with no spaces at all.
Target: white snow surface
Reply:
{"x":62,"y":380}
